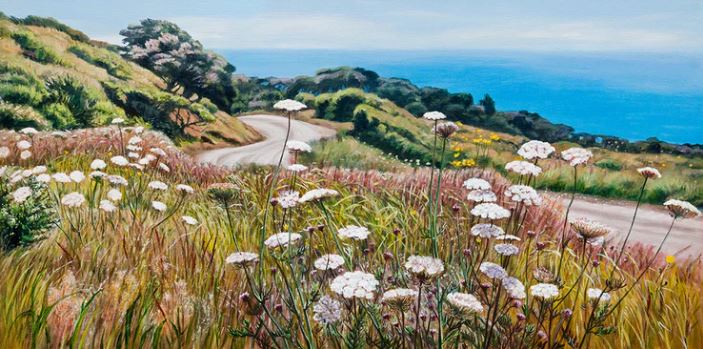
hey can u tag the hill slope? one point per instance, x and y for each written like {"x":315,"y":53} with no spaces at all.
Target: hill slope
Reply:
{"x":54,"y":77}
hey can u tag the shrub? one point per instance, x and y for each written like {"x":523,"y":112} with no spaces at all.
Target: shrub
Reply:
{"x":20,"y":94}
{"x":609,"y":164}
{"x":59,"y":115}
{"x":78,"y":99}
{"x":34,"y":49}
{"x":48,"y":22}
{"x":106,"y":60}
{"x":14,"y":116}
{"x":22,"y":224}
{"x":416,"y":108}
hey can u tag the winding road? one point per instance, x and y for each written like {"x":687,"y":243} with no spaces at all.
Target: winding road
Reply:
{"x":686,"y":238}
{"x":268,"y":151}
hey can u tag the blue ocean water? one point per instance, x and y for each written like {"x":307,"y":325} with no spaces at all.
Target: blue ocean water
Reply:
{"x":634,"y":96}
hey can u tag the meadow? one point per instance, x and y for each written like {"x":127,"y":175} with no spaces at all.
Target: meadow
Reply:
{"x":137,"y":245}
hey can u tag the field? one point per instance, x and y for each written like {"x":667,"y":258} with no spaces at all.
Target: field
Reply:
{"x":167,"y":265}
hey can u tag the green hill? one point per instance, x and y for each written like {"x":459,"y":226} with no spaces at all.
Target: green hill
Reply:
{"x":55,"y":77}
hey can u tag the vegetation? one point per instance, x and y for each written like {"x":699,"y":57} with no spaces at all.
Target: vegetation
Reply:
{"x":156,"y":256}
{"x":35,"y":50}
{"x":27,"y":213}
{"x":105,"y":59}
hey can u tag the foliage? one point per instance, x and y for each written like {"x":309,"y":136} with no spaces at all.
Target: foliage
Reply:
{"x":14,"y":116}
{"x":76,"y":97}
{"x":23,"y":224}
{"x":181,"y":61}
{"x":103,"y":59}
{"x":34,"y":49}
{"x":49,"y":22}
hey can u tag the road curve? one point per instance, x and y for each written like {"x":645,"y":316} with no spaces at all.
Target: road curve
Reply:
{"x":686,"y":238}
{"x":268,"y":151}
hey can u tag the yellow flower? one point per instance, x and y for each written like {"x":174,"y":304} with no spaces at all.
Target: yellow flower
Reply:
{"x":458,"y":123}
{"x":456,"y":155}
{"x":670,"y":259}
{"x":494,"y":137}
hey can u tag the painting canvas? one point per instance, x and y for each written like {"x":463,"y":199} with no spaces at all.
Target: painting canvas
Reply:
{"x":351,"y":174}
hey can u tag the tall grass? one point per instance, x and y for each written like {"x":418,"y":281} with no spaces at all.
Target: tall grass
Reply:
{"x":139,"y":277}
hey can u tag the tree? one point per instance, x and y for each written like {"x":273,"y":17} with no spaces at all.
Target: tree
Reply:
{"x":361,"y":122}
{"x":488,"y":104}
{"x":181,"y":61}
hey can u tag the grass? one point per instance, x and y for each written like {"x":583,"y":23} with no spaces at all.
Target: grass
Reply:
{"x":139,"y":277}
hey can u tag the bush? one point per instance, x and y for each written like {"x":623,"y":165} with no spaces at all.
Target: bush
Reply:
{"x":106,"y":60}
{"x":59,"y":115}
{"x":48,"y":22}
{"x":20,"y":94}
{"x":14,"y":116}
{"x":78,"y":99}
{"x":22,"y":224}
{"x":609,"y":164}
{"x":34,"y":49}
{"x":416,"y":108}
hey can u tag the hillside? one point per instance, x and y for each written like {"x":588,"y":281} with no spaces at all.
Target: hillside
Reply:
{"x":55,"y":77}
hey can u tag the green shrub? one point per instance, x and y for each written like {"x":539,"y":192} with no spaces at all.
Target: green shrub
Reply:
{"x":20,"y":94}
{"x":416,"y":108}
{"x":34,"y":49}
{"x":207,"y":103}
{"x":106,"y":60}
{"x":24,"y":223}
{"x":14,"y":116}
{"x":609,"y":164}
{"x":5,"y":32}
{"x":59,"y":115}
{"x":76,"y":97}
{"x":48,"y":22}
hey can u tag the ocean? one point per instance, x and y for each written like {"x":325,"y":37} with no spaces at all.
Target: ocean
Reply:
{"x":634,"y":96}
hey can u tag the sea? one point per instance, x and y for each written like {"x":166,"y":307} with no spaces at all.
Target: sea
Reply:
{"x":630,"y":95}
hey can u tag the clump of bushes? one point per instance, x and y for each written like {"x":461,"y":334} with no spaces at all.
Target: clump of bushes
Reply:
{"x":26,"y":213}
{"x":34,"y":49}
{"x":106,"y":60}
{"x":48,"y":22}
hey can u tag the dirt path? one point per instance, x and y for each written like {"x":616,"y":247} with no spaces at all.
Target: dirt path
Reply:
{"x":686,"y":238}
{"x":268,"y":151}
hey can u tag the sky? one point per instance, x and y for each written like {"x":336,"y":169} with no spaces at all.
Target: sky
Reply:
{"x":528,"y":25}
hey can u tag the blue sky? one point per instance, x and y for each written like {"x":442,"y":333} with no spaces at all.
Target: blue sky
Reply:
{"x":546,"y":25}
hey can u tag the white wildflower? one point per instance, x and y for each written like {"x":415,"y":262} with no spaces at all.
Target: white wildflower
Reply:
{"x":355,"y":284}
{"x":535,"y":150}
{"x":158,"y":185}
{"x":21,"y":194}
{"x":523,"y":194}
{"x":24,"y":145}
{"x":298,"y":146}
{"x":74,"y":199}
{"x":523,"y":168}
{"x":576,"y":156}
{"x":289,"y":105}
{"x":328,"y":262}
{"x":189,"y":220}
{"x":327,"y":311}
{"x":492,"y":270}
{"x":318,"y":194}
{"x":288,"y":198}
{"x":77,"y":176}
{"x":119,"y":160}
{"x":434,"y":115}
{"x":424,"y":266}
{"x":544,"y":291}
{"x":353,"y":232}
{"x":490,"y":210}
{"x":242,"y":258}
{"x":506,"y":249}
{"x":480,"y":195}
{"x":514,"y":287}
{"x":680,"y":208}
{"x":465,"y":302}
{"x":282,"y":239}
{"x":107,"y":206}
{"x":158,"y":205}
{"x":486,"y":230}
{"x":596,"y":293}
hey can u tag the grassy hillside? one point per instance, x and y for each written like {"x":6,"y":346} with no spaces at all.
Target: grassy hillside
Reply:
{"x":59,"y":79}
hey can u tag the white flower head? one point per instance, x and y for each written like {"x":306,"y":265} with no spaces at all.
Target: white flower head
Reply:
{"x":399,"y":297}
{"x":434,"y":115}
{"x":25,"y":154}
{"x":43,"y":178}
{"x":298,"y":146}
{"x":158,"y":206}
{"x":596,"y":294}
{"x":164,"y":167}
{"x":355,"y":284}
{"x":318,"y":194}
{"x":289,"y":105}
{"x":107,"y":206}
{"x":353,"y":232}
{"x":486,"y":230}
{"x":327,"y":311}
{"x":328,"y":262}
{"x":288,"y":198}
{"x":158,"y":151}
{"x":476,"y":184}
{"x":544,"y":291}
{"x":535,"y":150}
{"x":242,"y":258}
{"x":523,"y":194}
{"x":158,"y":185}
{"x":4,"y":152}
{"x":682,"y":209}
{"x":74,"y":199}
{"x":61,"y":177}
{"x":117,"y":180}
{"x":117,"y":121}
{"x":492,"y":270}
{"x":576,"y":156}
{"x":480,"y":195}
{"x":523,"y":168}
{"x":514,"y":287}
{"x":282,"y":240}
{"x":465,"y":302}
{"x":189,"y":220}
{"x":424,"y":266}
{"x":39,"y":170}
{"x":24,"y":145}
{"x":77,"y":176}
{"x":135,"y":140}
{"x":649,"y":172}
{"x":97,"y":164}
{"x":29,"y":131}
{"x":21,"y":194}
{"x":506,"y":249}
{"x":186,"y":189}
{"x":119,"y":160}
{"x":297,"y":168}
{"x":490,"y":210}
